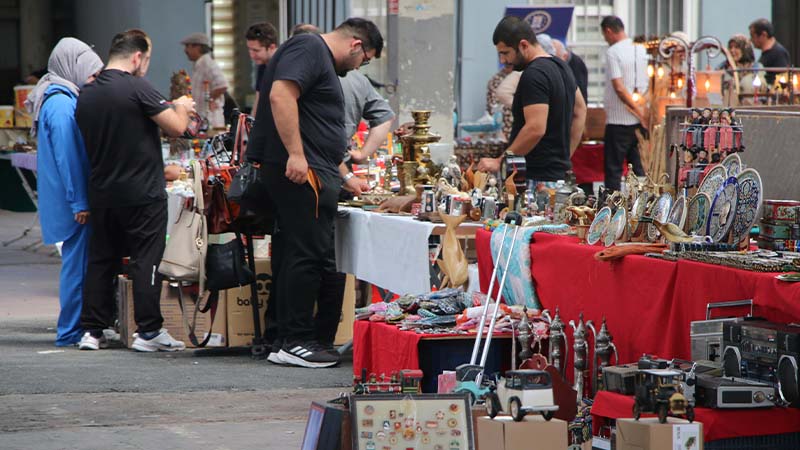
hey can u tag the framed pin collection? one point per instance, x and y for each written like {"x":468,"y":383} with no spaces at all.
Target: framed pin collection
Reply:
{"x":414,"y":421}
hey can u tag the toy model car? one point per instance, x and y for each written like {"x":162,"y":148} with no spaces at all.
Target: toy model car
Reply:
{"x":467,"y":376}
{"x":524,"y":391}
{"x":660,"y":391}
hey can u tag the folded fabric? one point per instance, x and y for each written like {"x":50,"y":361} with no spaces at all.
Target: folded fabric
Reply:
{"x":518,"y":288}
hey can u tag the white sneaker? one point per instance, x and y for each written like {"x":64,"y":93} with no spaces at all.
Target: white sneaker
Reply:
{"x":161,"y":343}
{"x":111,"y":335}
{"x":89,"y":342}
{"x":275,"y":358}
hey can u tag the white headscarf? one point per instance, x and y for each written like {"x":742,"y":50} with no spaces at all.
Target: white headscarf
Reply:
{"x":71,"y":63}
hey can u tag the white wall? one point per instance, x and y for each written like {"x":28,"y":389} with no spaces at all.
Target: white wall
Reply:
{"x":479,"y":59}
{"x":166,"y":21}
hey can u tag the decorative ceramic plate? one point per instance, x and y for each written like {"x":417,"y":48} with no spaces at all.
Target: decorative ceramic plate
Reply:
{"x":733,"y":164}
{"x":677,"y":215}
{"x":616,"y":227}
{"x":713,"y":181}
{"x":660,"y":213}
{"x":697,"y":213}
{"x":723,"y":210}
{"x":749,"y":199}
{"x":599,"y":225}
{"x":637,"y":211}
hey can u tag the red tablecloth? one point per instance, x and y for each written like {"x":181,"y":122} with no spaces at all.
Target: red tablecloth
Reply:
{"x":717,"y":423}
{"x":587,"y":163}
{"x":648,"y":302}
{"x":382,"y":348}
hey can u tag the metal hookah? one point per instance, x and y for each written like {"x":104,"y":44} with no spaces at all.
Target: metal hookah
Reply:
{"x":580,"y":348}
{"x":603,"y":349}
{"x":557,"y":336}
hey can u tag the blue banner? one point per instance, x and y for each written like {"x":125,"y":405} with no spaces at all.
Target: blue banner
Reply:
{"x":551,"y":20}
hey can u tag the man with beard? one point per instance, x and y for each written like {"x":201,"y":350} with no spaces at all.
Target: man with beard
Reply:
{"x":119,"y":116}
{"x":549,"y":109}
{"x":299,"y":139}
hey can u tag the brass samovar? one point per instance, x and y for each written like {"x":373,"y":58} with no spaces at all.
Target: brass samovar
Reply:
{"x":417,"y":167}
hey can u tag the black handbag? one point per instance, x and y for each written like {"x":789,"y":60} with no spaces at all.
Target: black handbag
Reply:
{"x":247,"y":177}
{"x":226,"y":267}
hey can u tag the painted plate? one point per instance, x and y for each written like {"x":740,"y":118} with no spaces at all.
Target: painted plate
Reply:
{"x":713,"y":181}
{"x":660,"y":213}
{"x":723,"y":211}
{"x":677,"y":215}
{"x":616,"y":227}
{"x":637,"y":211}
{"x":599,"y":225}
{"x":749,"y":198}
{"x":697,"y":213}
{"x":733,"y":164}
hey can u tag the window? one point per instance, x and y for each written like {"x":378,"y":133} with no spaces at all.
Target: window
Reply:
{"x":222,"y":38}
{"x":586,"y":41}
{"x":657,"y":17}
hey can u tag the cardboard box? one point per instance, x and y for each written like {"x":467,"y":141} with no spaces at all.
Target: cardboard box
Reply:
{"x":240,"y":311}
{"x":173,"y":316}
{"x":345,"y":332}
{"x":502,"y":433}
{"x":648,"y":434}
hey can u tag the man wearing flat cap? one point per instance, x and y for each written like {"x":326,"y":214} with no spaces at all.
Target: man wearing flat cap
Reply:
{"x":197,"y":47}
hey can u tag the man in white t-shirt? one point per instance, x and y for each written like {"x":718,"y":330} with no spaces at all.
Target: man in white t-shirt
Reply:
{"x":626,"y":83}
{"x":198,"y":49}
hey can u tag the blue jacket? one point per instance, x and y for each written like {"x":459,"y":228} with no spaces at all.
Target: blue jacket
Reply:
{"x":62,"y":166}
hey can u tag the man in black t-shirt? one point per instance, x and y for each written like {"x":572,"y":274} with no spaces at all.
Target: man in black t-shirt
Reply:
{"x":119,"y":116}
{"x":262,"y":42}
{"x":549,"y":109}
{"x":299,"y":139}
{"x":773,"y":54}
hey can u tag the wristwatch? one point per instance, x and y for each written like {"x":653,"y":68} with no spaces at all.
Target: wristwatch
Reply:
{"x":348,"y":176}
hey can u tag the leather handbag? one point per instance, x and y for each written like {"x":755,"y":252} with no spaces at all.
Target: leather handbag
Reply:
{"x":185,"y":254}
{"x":218,"y":210}
{"x":226,"y":266}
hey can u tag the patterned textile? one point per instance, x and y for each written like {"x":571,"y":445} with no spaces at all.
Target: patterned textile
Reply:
{"x":519,"y":289}
{"x":491,"y":100}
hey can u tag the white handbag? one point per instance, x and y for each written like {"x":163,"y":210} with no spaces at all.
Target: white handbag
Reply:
{"x":185,"y":254}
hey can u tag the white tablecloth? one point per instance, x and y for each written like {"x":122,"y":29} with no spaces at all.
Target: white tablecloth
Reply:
{"x":388,"y":251}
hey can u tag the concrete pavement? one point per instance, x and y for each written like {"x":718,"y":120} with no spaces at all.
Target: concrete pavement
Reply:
{"x":62,"y":398}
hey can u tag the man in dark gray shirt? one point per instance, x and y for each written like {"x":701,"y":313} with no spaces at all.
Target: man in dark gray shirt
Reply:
{"x":773,"y":54}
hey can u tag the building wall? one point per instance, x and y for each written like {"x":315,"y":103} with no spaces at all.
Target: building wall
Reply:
{"x":734,"y":17}
{"x":479,"y":59}
{"x":167,"y":22}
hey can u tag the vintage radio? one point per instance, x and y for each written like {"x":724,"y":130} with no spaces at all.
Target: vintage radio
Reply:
{"x":731,"y":392}
{"x":706,"y":335}
{"x":764,"y":351}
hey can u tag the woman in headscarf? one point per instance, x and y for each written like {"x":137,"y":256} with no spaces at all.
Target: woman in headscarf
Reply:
{"x":63,"y":172}
{"x":741,"y":50}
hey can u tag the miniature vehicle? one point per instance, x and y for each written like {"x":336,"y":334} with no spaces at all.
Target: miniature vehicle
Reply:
{"x":467,"y":376}
{"x":406,"y":381}
{"x":410,"y":381}
{"x":524,"y":391}
{"x":660,"y":391}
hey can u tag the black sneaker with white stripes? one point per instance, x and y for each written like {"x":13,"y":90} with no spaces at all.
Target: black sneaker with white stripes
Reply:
{"x":307,"y":354}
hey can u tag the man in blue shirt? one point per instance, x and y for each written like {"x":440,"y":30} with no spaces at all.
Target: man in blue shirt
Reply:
{"x":63,"y":172}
